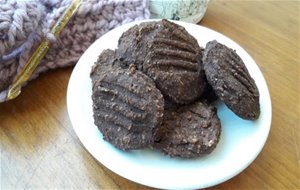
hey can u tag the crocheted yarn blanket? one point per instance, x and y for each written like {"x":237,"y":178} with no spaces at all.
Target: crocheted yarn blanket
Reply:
{"x":24,"y":24}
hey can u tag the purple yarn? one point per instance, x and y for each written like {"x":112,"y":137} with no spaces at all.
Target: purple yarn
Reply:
{"x":23,"y":24}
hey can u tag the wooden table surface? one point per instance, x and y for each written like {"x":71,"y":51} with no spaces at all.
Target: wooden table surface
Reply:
{"x":40,"y":150}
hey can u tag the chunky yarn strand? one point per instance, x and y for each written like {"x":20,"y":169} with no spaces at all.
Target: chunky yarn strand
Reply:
{"x":23,"y":25}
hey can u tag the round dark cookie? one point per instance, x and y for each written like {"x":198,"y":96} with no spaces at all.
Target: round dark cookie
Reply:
{"x":168,"y":54}
{"x":189,"y":131}
{"x":127,"y":108}
{"x":231,"y":81}
{"x":106,"y":61}
{"x":133,"y":44}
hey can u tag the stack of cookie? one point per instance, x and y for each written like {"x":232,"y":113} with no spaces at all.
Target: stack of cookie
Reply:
{"x":155,"y":90}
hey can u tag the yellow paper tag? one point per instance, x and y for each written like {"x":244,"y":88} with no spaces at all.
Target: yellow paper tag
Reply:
{"x":40,"y":52}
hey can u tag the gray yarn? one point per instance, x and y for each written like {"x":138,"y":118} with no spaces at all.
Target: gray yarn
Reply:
{"x":24,"y":23}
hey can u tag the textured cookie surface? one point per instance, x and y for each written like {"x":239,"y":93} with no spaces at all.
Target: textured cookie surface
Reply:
{"x":105,"y":62}
{"x":189,"y":131}
{"x":127,"y":108}
{"x":231,"y":81}
{"x":133,"y":45}
{"x":168,"y":54}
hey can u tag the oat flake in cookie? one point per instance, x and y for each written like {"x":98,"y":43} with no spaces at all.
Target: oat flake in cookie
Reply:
{"x":168,"y":54}
{"x":127,"y":108}
{"x":231,"y":81}
{"x":189,"y":131}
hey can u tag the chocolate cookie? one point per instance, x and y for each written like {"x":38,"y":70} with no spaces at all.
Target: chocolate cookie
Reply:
{"x":174,"y":63}
{"x":133,"y":45}
{"x":168,"y":54}
{"x":106,"y":60}
{"x":189,"y":131}
{"x":231,"y":81}
{"x":127,"y":108}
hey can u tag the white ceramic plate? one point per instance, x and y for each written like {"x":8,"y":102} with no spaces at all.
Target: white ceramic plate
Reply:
{"x":241,"y":141}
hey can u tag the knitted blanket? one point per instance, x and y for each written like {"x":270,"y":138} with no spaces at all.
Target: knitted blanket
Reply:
{"x":25,"y":23}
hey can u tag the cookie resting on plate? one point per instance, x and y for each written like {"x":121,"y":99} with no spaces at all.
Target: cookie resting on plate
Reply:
{"x":106,"y":60}
{"x":189,"y":131}
{"x":127,"y":108}
{"x":169,"y":55}
{"x":231,"y":81}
